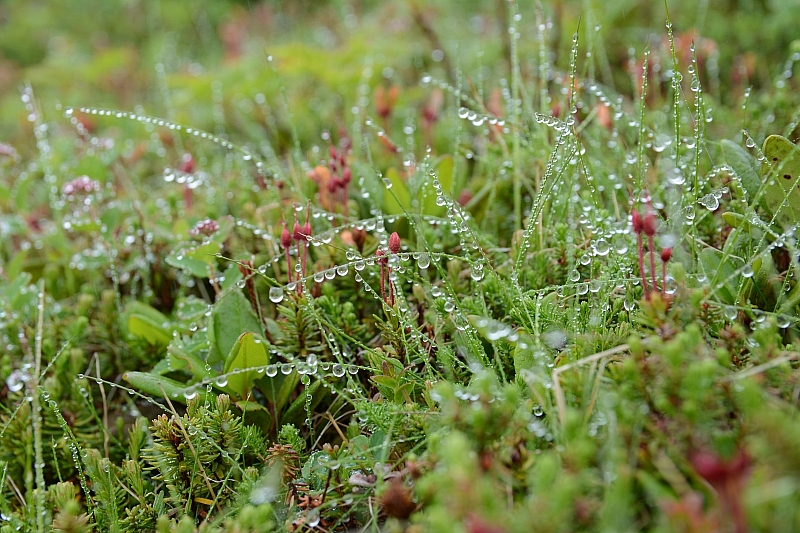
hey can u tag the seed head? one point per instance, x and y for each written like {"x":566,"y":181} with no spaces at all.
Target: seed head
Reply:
{"x":333,"y":184}
{"x":638,"y":223}
{"x":286,"y":237}
{"x":394,"y":243}
{"x":666,"y":254}
{"x":650,"y":225}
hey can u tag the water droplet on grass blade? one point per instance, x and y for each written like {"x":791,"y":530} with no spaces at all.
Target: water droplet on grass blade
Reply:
{"x":276,"y":294}
{"x":601,"y":247}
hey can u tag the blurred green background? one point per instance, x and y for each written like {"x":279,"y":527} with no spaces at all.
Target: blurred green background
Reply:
{"x":204,"y":62}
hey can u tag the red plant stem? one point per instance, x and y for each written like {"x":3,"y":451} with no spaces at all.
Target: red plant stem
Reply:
{"x":641,"y":267}
{"x":663,"y":277}
{"x":305,"y":257}
{"x":737,"y":513}
{"x":288,"y":265}
{"x":302,"y":267}
{"x":652,"y":261}
{"x":391,"y":287}
{"x":383,"y":282}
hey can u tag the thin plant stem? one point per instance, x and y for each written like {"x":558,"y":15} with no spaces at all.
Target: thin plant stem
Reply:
{"x":652,"y":262}
{"x":640,"y":249}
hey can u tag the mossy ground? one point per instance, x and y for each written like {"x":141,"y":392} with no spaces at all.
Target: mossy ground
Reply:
{"x":345,"y":266}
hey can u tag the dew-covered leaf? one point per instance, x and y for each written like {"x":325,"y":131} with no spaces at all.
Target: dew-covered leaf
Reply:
{"x":157,"y":386}
{"x":249,"y":351}
{"x":782,"y":170}
{"x":232,"y":316}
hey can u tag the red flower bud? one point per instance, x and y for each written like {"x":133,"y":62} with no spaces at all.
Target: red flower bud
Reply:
{"x":332,"y":152}
{"x":346,"y":175}
{"x":638,"y":224}
{"x":297,"y":232}
{"x":333,"y":184}
{"x":307,"y":229}
{"x":650,"y":225}
{"x":382,"y":260}
{"x":666,"y":254}
{"x":286,"y":237}
{"x":394,"y":243}
{"x":716,"y":470}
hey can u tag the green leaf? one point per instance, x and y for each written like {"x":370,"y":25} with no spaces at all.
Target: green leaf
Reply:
{"x":744,"y":165}
{"x":387,"y":385}
{"x":145,"y":328}
{"x":15,"y":266}
{"x":226,"y":225}
{"x":719,"y":271}
{"x":444,"y":170}
{"x":248,"y":406}
{"x":296,"y":412}
{"x":143,"y":309}
{"x":13,"y":294}
{"x":197,"y":260}
{"x":403,"y":393}
{"x":523,"y":352}
{"x":279,"y":388}
{"x":248,"y":352}
{"x":232,"y":276}
{"x":233,"y":315}
{"x":444,"y":173}
{"x":153,"y":385}
{"x":180,"y":229}
{"x":110,"y":218}
{"x":182,"y":360}
{"x":395,"y":204}
{"x":782,"y":171}
{"x":735,"y":220}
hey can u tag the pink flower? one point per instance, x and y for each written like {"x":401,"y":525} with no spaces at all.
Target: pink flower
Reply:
{"x":82,"y":185}
{"x":205,"y":227}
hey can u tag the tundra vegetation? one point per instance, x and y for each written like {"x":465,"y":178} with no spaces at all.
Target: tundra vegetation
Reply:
{"x":475,"y":267}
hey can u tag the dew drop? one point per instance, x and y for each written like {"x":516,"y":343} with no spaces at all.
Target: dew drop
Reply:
{"x":601,"y":247}
{"x":276,"y":294}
